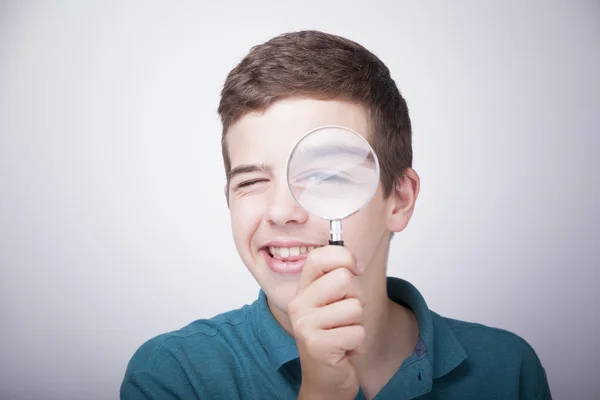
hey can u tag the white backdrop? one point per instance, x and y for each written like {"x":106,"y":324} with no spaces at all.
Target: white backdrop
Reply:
{"x":114,"y":226}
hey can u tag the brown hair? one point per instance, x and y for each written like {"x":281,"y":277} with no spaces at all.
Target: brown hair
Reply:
{"x":328,"y":67}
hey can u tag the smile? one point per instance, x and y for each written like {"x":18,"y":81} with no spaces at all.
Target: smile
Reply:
{"x":282,"y":253}
{"x":286,"y":259}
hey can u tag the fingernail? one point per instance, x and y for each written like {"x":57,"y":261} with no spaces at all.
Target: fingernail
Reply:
{"x":360,"y":267}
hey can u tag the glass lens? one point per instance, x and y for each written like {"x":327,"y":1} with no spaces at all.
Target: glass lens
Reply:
{"x":332,"y":172}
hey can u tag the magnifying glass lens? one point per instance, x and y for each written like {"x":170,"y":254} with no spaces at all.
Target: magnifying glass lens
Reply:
{"x":332,"y":172}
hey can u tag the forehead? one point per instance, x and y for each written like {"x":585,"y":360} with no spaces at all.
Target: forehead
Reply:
{"x":267,"y":138}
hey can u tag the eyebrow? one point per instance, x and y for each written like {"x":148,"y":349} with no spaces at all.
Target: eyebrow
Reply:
{"x":247,"y":169}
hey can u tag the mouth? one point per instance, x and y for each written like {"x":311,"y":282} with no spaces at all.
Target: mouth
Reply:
{"x":287,"y":259}
{"x":291,"y":253}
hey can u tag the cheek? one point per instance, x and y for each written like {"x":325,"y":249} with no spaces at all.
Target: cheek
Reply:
{"x":363,"y":230}
{"x":246,"y":215}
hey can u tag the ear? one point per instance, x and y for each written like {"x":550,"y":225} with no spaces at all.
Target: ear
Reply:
{"x":401,"y":202}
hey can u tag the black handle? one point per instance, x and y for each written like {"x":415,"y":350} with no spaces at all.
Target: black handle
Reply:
{"x":336,"y":242}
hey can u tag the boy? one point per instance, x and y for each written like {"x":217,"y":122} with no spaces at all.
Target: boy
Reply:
{"x":328,"y":323}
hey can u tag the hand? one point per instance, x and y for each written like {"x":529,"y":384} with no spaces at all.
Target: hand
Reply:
{"x":326,"y":316}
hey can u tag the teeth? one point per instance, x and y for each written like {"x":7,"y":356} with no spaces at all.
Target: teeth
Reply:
{"x":295,"y":251}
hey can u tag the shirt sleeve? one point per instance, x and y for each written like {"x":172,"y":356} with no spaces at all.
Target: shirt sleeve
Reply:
{"x":154,"y":372}
{"x":533,"y":380}
{"x":544,"y":389}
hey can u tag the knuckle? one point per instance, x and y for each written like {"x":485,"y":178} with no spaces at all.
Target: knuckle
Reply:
{"x":356,"y":307}
{"x":343,"y":256}
{"x":348,"y":259}
{"x":300,"y":327}
{"x":344,"y":277}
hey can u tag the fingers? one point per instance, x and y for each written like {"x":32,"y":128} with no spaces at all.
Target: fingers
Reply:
{"x":341,"y":313}
{"x":323,"y":260}
{"x":334,"y":342}
{"x":337,"y":285}
{"x":326,"y":316}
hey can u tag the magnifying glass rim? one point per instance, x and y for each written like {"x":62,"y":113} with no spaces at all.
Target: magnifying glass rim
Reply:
{"x":287,"y":170}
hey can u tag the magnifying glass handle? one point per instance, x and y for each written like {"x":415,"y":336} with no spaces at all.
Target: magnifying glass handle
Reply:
{"x":335,"y":233}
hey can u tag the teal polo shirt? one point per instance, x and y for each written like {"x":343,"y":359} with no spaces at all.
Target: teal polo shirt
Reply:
{"x":246,"y":354}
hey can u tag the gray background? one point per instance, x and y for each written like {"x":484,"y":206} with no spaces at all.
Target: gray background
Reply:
{"x":114,"y":226}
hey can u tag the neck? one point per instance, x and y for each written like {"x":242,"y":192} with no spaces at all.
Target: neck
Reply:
{"x":391,"y":336}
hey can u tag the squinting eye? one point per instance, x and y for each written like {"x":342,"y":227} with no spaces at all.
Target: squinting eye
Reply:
{"x":249,"y":183}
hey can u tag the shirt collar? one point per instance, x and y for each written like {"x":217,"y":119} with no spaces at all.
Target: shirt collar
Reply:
{"x":437,"y":353}
{"x":438,"y":345}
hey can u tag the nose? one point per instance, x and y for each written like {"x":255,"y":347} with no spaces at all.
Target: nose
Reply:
{"x":283,"y":209}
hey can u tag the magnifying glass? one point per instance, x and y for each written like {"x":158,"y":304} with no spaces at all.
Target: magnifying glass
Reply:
{"x":332,"y":172}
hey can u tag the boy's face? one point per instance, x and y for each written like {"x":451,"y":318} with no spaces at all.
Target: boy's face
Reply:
{"x":272,"y":233}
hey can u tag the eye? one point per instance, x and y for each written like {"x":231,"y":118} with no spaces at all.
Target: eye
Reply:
{"x":324,"y":176}
{"x":250,"y":183}
{"x":328,"y":177}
